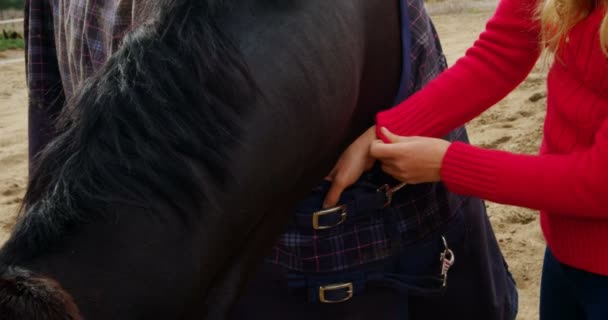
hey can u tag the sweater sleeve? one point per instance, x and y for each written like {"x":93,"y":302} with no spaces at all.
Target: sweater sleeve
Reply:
{"x":499,"y":60}
{"x":571,"y":184}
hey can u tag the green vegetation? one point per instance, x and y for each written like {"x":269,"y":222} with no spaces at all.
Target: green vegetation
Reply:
{"x":11,"y":4}
{"x":6,"y":44}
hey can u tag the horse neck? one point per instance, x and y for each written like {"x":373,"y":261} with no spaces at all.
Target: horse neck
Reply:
{"x":133,"y":265}
{"x":140,"y":258}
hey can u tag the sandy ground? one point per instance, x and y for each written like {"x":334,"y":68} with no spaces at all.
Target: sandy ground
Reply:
{"x":13,"y":139}
{"x":514,"y":124}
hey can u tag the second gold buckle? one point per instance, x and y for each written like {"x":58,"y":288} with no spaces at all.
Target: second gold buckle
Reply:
{"x":342,"y":286}
{"x":320,"y":213}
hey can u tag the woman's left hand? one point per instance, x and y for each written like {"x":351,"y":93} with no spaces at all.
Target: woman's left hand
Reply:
{"x":411,"y":159}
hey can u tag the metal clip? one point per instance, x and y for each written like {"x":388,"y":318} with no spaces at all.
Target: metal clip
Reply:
{"x":388,"y":192}
{"x":447,"y":260}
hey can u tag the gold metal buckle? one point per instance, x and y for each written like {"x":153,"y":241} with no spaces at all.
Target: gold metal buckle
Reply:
{"x":320,"y":213}
{"x":349,"y":291}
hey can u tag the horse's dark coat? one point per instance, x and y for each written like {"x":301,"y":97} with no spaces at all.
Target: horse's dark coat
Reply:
{"x":23,"y":295}
{"x":179,"y":161}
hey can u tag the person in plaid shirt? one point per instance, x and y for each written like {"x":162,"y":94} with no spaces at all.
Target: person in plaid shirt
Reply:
{"x":67,"y":41}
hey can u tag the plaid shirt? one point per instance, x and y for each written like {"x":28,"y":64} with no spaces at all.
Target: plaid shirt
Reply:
{"x":67,"y":41}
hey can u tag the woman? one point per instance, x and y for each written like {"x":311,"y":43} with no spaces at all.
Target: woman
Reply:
{"x":565,"y":181}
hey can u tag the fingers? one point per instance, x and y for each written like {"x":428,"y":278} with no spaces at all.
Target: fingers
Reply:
{"x":335,"y":190}
{"x":381,"y":150}
{"x":370,"y":163}
{"x":392,"y":171}
{"x":331,"y":175}
{"x":401,"y":175}
{"x":391,"y":136}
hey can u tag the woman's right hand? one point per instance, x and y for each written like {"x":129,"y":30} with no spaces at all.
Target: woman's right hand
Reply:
{"x":355,"y":160}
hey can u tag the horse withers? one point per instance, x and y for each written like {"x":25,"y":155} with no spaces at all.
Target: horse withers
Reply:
{"x":176,"y":163}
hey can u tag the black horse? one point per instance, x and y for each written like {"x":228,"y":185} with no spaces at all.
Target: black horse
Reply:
{"x":178,"y":163}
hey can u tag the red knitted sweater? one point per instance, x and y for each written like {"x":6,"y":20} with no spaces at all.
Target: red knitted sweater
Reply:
{"x":568,"y":180}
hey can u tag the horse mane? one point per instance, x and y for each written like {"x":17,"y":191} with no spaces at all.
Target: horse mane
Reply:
{"x":166,"y":108}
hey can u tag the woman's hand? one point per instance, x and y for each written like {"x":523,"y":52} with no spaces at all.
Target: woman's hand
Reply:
{"x":410,"y":159}
{"x":352,"y":163}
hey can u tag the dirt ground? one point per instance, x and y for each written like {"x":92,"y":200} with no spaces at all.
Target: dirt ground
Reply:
{"x":13,"y":138}
{"x":514,"y":124}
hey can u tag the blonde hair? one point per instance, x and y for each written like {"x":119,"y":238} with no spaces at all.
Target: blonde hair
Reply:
{"x":559,"y":16}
